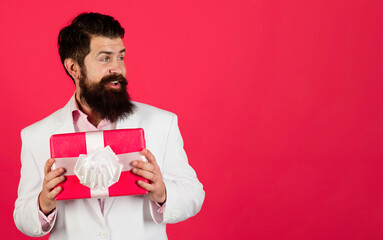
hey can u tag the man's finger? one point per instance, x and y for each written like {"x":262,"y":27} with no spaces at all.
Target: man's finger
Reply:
{"x":53,"y":174}
{"x":143,"y":165}
{"x":48,"y":166}
{"x":145,"y":174}
{"x":149,"y":156}
{"x":147,"y":186}
{"x":53,"y":183}
{"x":52,"y":194}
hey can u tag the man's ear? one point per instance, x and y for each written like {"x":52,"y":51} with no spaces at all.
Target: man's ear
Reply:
{"x":73,"y":68}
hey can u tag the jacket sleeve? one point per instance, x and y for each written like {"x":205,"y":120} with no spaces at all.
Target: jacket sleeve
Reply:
{"x":184,"y":192}
{"x":26,"y":215}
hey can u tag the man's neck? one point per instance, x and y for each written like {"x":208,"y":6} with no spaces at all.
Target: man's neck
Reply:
{"x":93,"y":117}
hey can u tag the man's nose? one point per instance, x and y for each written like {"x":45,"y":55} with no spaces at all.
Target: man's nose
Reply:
{"x":117,"y":67}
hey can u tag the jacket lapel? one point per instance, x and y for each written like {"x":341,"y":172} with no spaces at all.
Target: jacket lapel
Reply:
{"x":66,"y":120}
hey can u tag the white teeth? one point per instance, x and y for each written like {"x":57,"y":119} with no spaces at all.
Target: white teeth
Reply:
{"x":114,"y":82}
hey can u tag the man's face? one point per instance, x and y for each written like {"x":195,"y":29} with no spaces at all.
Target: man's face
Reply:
{"x":102,"y":85}
{"x":106,"y":57}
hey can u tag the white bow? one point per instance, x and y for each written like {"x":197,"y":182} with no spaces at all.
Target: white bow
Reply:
{"x":98,"y":170}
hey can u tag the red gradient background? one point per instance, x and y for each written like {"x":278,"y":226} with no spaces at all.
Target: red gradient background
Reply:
{"x":279,"y":102}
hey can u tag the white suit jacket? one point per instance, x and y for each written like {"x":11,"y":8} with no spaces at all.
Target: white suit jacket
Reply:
{"x":126,"y":217}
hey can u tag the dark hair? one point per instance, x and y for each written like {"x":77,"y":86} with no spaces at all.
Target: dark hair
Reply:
{"x":74,"y":40}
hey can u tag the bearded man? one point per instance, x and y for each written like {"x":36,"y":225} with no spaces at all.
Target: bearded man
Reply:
{"x":92,"y":53}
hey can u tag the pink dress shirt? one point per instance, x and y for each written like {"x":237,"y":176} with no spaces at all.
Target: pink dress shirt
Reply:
{"x":81,"y":124}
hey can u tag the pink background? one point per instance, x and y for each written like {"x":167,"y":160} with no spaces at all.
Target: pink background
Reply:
{"x":280,"y":105}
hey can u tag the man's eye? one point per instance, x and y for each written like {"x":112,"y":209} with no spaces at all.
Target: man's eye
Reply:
{"x":105,"y":59}
{"x":121,"y":58}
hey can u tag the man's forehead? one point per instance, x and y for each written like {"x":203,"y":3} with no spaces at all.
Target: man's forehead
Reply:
{"x":104,"y":44}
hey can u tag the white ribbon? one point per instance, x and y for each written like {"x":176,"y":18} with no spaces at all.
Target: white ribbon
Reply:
{"x":124,"y":159}
{"x":98,"y":170}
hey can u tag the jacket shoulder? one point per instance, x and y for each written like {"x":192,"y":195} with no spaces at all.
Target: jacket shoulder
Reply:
{"x":47,"y":124}
{"x":146,"y":111}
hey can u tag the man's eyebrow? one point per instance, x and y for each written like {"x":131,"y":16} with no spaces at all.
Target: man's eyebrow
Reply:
{"x":109,"y":52}
{"x":104,"y":52}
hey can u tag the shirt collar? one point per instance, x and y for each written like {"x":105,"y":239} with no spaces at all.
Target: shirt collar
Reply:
{"x":77,"y":114}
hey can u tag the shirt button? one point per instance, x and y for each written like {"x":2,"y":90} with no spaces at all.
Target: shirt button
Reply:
{"x":103,"y":235}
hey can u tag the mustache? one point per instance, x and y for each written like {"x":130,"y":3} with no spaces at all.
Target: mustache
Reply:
{"x":114,"y":77}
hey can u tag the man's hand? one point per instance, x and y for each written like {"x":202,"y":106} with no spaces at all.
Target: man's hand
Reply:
{"x":47,"y":196}
{"x":151,"y":171}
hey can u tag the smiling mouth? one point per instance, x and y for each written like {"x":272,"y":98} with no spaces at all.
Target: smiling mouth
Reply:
{"x":113,"y":84}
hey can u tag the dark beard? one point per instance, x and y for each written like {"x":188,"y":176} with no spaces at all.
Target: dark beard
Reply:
{"x":108,"y":103}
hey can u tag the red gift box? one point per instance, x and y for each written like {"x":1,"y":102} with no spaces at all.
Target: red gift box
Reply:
{"x":125,"y":143}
